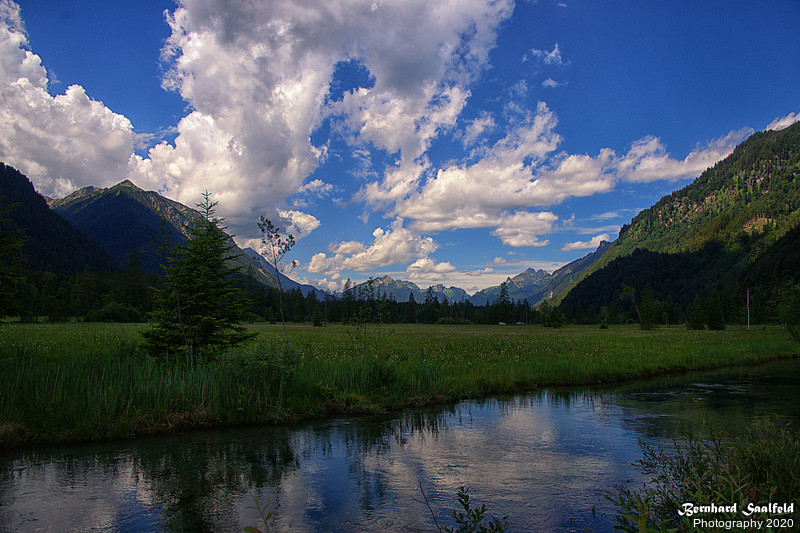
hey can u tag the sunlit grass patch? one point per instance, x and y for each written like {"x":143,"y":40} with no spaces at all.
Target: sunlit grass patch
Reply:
{"x":85,"y":381}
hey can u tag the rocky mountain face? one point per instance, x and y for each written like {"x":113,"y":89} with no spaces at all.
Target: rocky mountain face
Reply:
{"x":401,"y":290}
{"x":124,"y":219}
{"x":537,"y":285}
{"x":532,"y":285}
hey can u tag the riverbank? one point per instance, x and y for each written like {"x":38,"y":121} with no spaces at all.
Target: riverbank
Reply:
{"x":72,"y":382}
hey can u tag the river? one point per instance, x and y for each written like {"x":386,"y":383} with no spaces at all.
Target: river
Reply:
{"x":545,"y":459}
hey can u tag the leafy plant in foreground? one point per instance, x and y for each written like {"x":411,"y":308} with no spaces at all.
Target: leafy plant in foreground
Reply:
{"x":274,"y":248}
{"x":265,"y":517}
{"x":759,"y":467}
{"x":471,"y":520}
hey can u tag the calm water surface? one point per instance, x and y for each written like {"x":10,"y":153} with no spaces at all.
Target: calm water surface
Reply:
{"x":544,"y":459}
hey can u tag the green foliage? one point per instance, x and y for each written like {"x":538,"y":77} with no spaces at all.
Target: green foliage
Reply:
{"x":10,"y":241}
{"x":115,"y":312}
{"x":759,"y":466}
{"x":472,"y":519}
{"x":787,"y":308}
{"x":695,"y":316}
{"x":266,"y":516}
{"x":274,"y":248}
{"x":259,"y":377}
{"x":200,"y":307}
{"x":715,"y":314}
{"x":551,"y":316}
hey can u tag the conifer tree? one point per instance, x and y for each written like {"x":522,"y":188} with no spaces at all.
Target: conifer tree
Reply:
{"x":787,"y":307}
{"x":199,"y":309}
{"x":694,"y":315}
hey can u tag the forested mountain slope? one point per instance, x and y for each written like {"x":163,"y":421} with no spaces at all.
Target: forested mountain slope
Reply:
{"x":736,"y":220}
{"x":51,"y":242}
{"x":746,"y":202}
{"x":124,"y":218}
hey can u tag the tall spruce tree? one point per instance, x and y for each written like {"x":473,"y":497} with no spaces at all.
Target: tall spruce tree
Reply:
{"x":199,"y":309}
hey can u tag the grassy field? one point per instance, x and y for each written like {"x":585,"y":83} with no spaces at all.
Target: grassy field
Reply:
{"x":63,"y":382}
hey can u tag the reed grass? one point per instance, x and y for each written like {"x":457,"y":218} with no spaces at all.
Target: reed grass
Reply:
{"x":63,"y":382}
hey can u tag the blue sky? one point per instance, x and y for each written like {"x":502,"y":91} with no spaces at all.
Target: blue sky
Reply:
{"x":454,"y":142}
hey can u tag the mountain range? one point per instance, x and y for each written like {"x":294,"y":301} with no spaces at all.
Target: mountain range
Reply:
{"x":730,"y":226}
{"x":124,"y":218}
{"x":531,"y":285}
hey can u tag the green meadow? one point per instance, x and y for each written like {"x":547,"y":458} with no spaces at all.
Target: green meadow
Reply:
{"x":81,"y":381}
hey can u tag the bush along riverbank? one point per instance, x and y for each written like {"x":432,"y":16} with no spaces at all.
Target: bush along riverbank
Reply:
{"x":713,"y":482}
{"x":79,"y":381}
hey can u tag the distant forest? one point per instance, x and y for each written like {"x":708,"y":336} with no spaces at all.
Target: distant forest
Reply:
{"x":127,"y":295}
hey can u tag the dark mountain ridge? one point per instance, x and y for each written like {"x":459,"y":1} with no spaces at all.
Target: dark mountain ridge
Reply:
{"x":124,"y":219}
{"x":52,"y":243}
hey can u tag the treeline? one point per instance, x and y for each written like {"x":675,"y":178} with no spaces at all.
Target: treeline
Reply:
{"x":124,"y":295}
{"x":364,"y":304}
{"x":711,"y":286}
{"x":127,"y":295}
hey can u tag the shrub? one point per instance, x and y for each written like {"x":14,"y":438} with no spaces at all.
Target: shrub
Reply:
{"x":115,"y":312}
{"x":759,"y":467}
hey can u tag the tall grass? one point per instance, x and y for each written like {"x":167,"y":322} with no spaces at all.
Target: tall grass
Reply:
{"x":86,"y":381}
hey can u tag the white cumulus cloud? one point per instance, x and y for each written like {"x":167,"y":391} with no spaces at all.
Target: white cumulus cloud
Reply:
{"x":298,"y":224}
{"x":60,"y":142}
{"x":591,"y":244}
{"x":648,"y":159}
{"x":552,"y":57}
{"x":256,"y":77}
{"x":428,"y":270}
{"x":397,"y":245}
{"x":782,"y":123}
